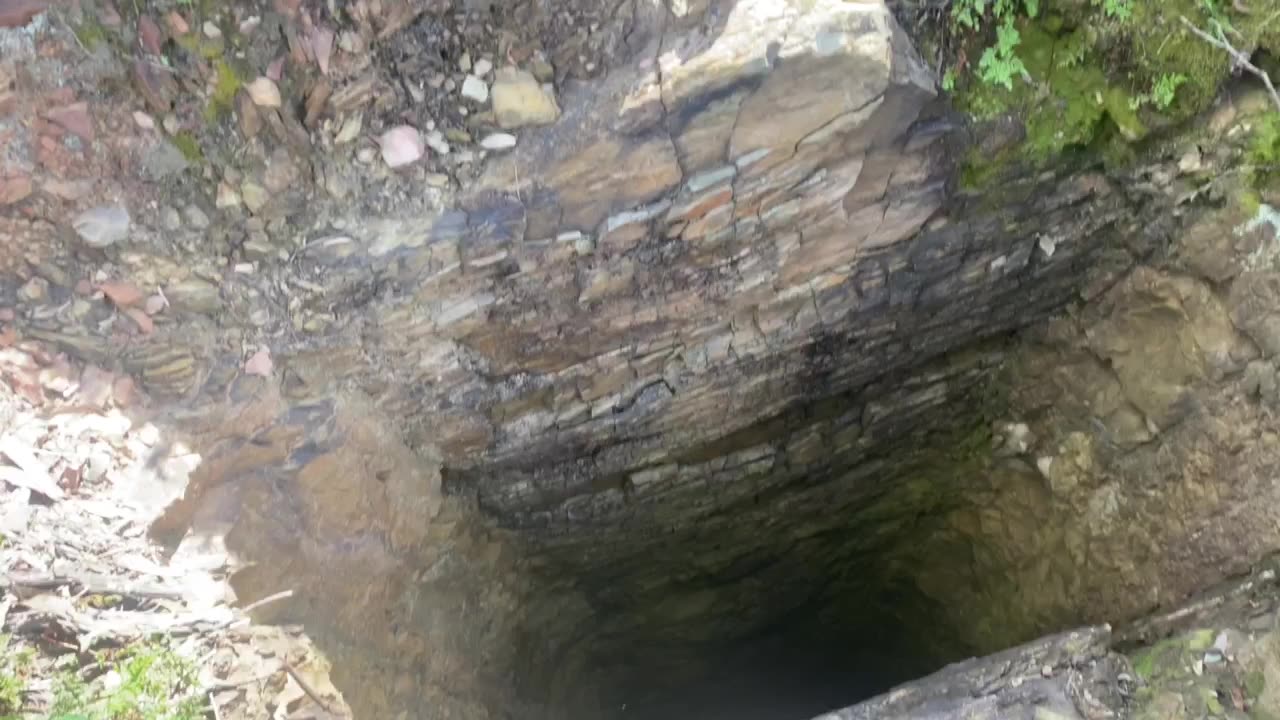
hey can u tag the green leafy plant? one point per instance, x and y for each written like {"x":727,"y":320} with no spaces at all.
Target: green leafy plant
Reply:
{"x":1000,"y":63}
{"x":15,"y":667}
{"x":1166,"y":89}
{"x":1121,"y":10}
{"x":152,"y":683}
{"x":1162,"y":94}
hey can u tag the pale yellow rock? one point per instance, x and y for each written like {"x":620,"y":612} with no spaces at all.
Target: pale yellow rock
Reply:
{"x":519,"y":100}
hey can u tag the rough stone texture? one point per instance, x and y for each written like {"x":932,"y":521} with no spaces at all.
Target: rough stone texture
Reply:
{"x":708,"y":352}
{"x":1148,"y":444}
{"x":1071,"y":676}
{"x":1212,"y":656}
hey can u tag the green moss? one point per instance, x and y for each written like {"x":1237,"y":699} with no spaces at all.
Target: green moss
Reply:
{"x":1160,"y":45}
{"x":90,"y":33}
{"x":1099,"y":82}
{"x":1122,"y":110}
{"x":1161,"y":659}
{"x":1255,"y":683}
{"x":189,"y":147}
{"x":228,"y":82}
{"x":1201,"y":639}
{"x":202,"y":45}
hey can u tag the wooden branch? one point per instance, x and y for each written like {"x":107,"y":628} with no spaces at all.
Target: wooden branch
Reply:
{"x":306,"y":688}
{"x":1238,"y":56}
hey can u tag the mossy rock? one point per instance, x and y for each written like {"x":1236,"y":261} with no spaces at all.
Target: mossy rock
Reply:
{"x":1101,"y":85}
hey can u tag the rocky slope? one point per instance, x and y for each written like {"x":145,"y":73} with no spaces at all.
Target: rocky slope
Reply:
{"x":558,"y":354}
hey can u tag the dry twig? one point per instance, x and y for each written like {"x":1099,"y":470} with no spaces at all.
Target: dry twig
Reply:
{"x":1237,"y":55}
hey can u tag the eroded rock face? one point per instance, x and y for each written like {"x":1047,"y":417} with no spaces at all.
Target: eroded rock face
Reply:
{"x":708,"y":351}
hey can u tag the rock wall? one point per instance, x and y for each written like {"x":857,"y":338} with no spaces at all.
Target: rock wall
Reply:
{"x":714,"y":347}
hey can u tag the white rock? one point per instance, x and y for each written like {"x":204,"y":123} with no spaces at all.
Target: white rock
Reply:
{"x":401,"y":145}
{"x":435,"y":140}
{"x":102,"y":226}
{"x":143,"y":120}
{"x":211,"y":30}
{"x":482,"y":67}
{"x":473,"y":88}
{"x":264,"y":92}
{"x":499,"y":141}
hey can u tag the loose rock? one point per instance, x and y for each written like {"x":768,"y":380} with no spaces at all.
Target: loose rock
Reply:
{"x":254,"y":196}
{"x":264,"y":92}
{"x":520,"y":100}
{"x":102,"y":226}
{"x":498,"y":141}
{"x":195,"y":217}
{"x":473,"y":88}
{"x":170,"y":219}
{"x":401,"y":146}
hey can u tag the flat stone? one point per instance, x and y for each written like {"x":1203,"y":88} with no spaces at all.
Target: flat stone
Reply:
{"x":482,"y":67}
{"x":254,"y":196}
{"x":194,"y":295}
{"x":498,"y":141}
{"x":475,"y":89}
{"x":519,"y":100}
{"x":15,"y":189}
{"x":75,"y":119}
{"x":163,"y":160}
{"x":227,"y":197}
{"x":101,"y":227}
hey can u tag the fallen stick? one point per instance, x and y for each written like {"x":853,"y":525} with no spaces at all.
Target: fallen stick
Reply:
{"x":306,"y":688}
{"x":1238,"y":56}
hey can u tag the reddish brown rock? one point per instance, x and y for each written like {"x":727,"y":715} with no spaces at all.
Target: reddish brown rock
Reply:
{"x":16,"y":13}
{"x":15,"y":188}
{"x":75,"y":119}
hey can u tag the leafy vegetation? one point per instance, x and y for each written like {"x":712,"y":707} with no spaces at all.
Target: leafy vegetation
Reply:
{"x":145,"y":681}
{"x":15,"y":670}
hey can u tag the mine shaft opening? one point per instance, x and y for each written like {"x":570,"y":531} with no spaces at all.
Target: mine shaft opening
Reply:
{"x":818,"y":638}
{"x":791,"y":613}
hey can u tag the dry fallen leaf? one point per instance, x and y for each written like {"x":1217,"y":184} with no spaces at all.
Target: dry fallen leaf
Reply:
{"x":259,"y":363}
{"x":264,"y":92}
{"x":121,"y":294}
{"x":401,"y":146}
{"x":321,"y":40}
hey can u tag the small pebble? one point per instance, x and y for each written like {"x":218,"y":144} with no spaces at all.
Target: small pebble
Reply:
{"x":211,"y":30}
{"x":143,"y":120}
{"x":482,"y":67}
{"x":473,"y":88}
